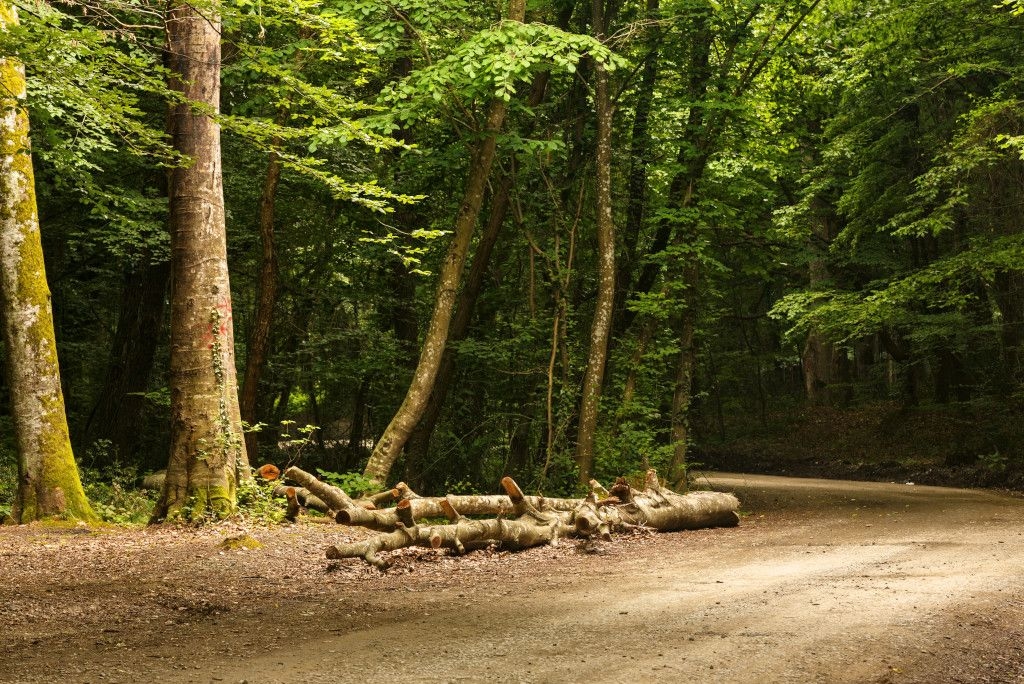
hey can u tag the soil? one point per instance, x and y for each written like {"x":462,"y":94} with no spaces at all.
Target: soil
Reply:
{"x":823,"y":581}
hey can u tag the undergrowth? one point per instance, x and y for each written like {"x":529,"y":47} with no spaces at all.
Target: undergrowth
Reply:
{"x":115,"y":495}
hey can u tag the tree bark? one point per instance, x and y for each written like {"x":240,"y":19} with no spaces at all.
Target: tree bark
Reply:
{"x":818,"y":356}
{"x":640,"y":153}
{"x":258,"y":347}
{"x":601,"y":326}
{"x":390,"y":445}
{"x":419,"y":439}
{"x":48,"y":481}
{"x":682,"y":393}
{"x":654,"y":508}
{"x":207,"y":447}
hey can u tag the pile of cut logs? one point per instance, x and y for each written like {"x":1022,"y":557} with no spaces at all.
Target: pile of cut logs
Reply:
{"x":516,"y":521}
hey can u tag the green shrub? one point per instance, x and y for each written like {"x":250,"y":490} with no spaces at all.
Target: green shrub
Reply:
{"x":355,"y":484}
{"x":116,"y":496}
{"x":257,"y":503}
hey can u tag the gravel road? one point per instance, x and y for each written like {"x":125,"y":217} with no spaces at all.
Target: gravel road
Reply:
{"x":824,"y":581}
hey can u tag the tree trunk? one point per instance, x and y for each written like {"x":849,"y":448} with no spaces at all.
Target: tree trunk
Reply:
{"x":207,"y":447}
{"x":390,"y":445}
{"x":640,"y":154}
{"x":258,"y":347}
{"x":48,"y":482}
{"x":120,"y":405}
{"x":355,"y":451}
{"x":419,"y":439}
{"x":683,"y":391}
{"x":602,"y":323}
{"x":818,"y":357}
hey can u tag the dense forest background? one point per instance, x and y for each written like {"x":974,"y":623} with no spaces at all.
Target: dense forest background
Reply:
{"x":816,"y":234}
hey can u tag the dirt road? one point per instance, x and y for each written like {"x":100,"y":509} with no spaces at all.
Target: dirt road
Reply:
{"x":824,"y":581}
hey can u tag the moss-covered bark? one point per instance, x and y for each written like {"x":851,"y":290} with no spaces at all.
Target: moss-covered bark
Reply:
{"x":208,"y":454}
{"x":48,"y":482}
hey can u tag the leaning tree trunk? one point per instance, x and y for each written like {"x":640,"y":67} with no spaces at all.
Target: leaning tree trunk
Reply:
{"x":48,"y":482}
{"x":602,"y":324}
{"x":390,"y":445}
{"x":207,"y":448}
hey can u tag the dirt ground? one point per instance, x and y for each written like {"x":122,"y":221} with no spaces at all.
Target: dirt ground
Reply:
{"x":823,"y":581}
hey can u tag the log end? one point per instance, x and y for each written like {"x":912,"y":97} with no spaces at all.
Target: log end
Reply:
{"x":512,"y":489}
{"x":269,"y":472}
{"x":292,"y":514}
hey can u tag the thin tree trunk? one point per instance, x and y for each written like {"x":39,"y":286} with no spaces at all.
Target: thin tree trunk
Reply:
{"x":601,"y":327}
{"x":683,"y":391}
{"x":817,"y":358}
{"x":120,"y":404}
{"x":48,"y":482}
{"x":207,"y":447}
{"x":390,"y":445}
{"x":258,"y":347}
{"x":639,"y":159}
{"x":355,"y":450}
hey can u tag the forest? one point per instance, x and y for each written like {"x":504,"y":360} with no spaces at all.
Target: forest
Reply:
{"x":448,"y":242}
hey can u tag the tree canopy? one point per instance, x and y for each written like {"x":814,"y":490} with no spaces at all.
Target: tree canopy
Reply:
{"x":773,"y":208}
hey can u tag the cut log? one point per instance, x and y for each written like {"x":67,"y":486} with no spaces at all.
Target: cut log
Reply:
{"x":269,"y":472}
{"x":292,"y":515}
{"x":537,"y":522}
{"x":532,"y":528}
{"x":334,"y":498}
{"x":303,"y":497}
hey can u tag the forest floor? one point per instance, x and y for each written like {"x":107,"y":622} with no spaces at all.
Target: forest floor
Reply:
{"x":823,"y":581}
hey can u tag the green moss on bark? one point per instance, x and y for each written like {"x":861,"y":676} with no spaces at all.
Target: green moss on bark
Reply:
{"x":49,"y":486}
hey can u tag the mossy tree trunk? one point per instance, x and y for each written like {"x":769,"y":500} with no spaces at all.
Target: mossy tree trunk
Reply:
{"x":48,"y":482}
{"x":208,"y":454}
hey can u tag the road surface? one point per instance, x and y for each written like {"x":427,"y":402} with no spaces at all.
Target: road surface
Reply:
{"x":823,"y":581}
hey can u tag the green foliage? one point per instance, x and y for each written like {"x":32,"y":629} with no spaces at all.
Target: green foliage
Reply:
{"x":115,"y":495}
{"x":355,"y":484}
{"x":461,"y":487}
{"x":8,"y":468}
{"x":491,"y":64}
{"x":291,"y":93}
{"x":257,"y":503}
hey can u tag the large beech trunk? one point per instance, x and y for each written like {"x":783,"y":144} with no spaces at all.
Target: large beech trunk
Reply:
{"x":207,"y":448}
{"x":48,"y":482}
{"x":539,"y":520}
